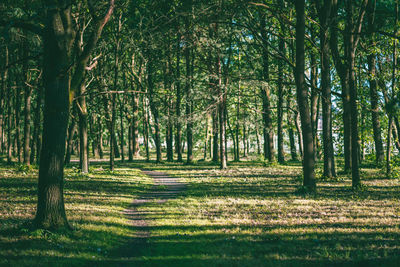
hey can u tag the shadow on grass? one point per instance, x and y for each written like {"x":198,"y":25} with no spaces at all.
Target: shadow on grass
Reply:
{"x":174,"y":244}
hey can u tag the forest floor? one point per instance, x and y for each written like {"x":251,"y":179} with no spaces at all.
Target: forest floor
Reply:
{"x":248,"y":215}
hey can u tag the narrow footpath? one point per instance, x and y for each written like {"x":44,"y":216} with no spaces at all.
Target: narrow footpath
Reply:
{"x":165,"y":187}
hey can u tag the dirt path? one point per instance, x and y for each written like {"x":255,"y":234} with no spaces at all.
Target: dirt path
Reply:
{"x":170,"y":190}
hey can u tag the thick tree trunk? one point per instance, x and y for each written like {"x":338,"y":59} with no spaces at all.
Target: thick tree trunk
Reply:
{"x":308,"y":147}
{"x":50,"y":209}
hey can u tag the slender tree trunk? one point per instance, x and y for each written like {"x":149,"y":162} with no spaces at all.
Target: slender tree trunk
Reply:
{"x":71,"y":133}
{"x":17,"y":122}
{"x":130,"y":143}
{"x":206,"y":140}
{"x":154,"y":110}
{"x":329,"y":160}
{"x":244,"y":137}
{"x":308,"y":148}
{"x":281,"y":154}
{"x":35,"y":145}
{"x":178,"y":138}
{"x":299,"y":134}
{"x":373,"y":92}
{"x":146,"y":128}
{"x":265,"y":95}
{"x":83,"y":130}
{"x":121,"y":117}
{"x":222,"y":117}
{"x":189,"y":123}
{"x":3,"y":104}
{"x":215,"y":136}
{"x":237,"y":154}
{"x":314,"y":101}
{"x":9,"y":117}
{"x":135,"y":126}
{"x":27,"y":119}
{"x":394,"y":80}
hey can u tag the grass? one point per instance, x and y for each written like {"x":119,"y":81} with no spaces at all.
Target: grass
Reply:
{"x":94,"y":205}
{"x":248,"y":215}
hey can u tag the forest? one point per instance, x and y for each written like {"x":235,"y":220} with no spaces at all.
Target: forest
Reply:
{"x":181,"y":133}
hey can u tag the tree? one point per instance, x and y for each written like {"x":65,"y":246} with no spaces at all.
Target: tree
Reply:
{"x":302,"y":102}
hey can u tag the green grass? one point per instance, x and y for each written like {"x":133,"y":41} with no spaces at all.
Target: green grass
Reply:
{"x":94,"y":204}
{"x":248,"y":215}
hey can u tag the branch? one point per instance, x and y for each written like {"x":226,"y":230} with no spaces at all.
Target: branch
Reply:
{"x":358,"y":26}
{"x":22,"y":24}
{"x":97,"y":31}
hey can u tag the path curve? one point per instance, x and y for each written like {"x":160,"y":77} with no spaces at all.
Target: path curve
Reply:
{"x":172,"y":187}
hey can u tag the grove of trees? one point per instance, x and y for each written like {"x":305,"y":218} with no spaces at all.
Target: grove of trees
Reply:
{"x":216,"y":80}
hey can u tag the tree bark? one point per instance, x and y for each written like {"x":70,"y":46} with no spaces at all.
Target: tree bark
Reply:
{"x":302,"y":96}
{"x":83,"y":130}
{"x":329,"y":160}
{"x":373,"y":92}
{"x":281,"y":154}
{"x":265,"y":95}
{"x":27,"y":114}
{"x":178,"y":138}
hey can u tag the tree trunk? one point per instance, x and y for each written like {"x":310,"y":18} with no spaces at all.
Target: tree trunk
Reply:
{"x":135,"y":126}
{"x":281,"y":154}
{"x":373,"y":92}
{"x":27,"y":118}
{"x":329,"y":160}
{"x":265,"y":95}
{"x":9,"y":117}
{"x":35,"y":145}
{"x":189,"y":107}
{"x":222,"y":117}
{"x":215,"y":136}
{"x":83,"y":130}
{"x":17,"y":122}
{"x":178,"y":138}
{"x":146,"y":128}
{"x":154,"y":110}
{"x":50,"y":209}
{"x":302,"y":96}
